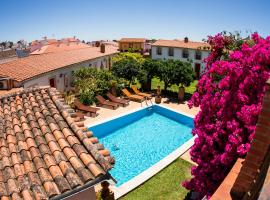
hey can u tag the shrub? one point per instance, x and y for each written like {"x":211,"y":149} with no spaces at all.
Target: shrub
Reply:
{"x":91,"y":82}
{"x":230,"y":98}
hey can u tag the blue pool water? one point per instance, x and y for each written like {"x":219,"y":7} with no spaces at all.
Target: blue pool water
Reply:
{"x":141,"y":139}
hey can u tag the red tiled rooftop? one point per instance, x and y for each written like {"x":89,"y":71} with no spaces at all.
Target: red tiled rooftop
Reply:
{"x":34,"y":65}
{"x":132,"y":40}
{"x":55,"y":47}
{"x":182,"y":44}
{"x":45,"y":150}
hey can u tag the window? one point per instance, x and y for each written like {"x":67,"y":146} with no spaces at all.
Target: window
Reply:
{"x":1,"y":85}
{"x":197,"y":70}
{"x":185,"y":53}
{"x":159,"y":51}
{"x":52,"y":82}
{"x":198,"y":55}
{"x":66,"y":80}
{"x":171,"y":51}
{"x":101,"y":65}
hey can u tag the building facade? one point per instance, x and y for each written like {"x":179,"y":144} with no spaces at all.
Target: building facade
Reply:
{"x":136,"y":44}
{"x":54,"y":69}
{"x":186,"y":51}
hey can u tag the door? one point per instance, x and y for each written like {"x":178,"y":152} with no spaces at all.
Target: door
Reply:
{"x":197,"y":70}
{"x":52,"y":82}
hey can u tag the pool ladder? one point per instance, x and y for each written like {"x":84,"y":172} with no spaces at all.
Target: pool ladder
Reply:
{"x":147,"y":105}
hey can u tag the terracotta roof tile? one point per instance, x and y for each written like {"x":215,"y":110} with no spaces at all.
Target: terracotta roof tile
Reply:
{"x":74,"y":180}
{"x":45,"y":152}
{"x":66,"y":167}
{"x":132,"y":40}
{"x":44,"y":175}
{"x":39,"y":163}
{"x":34,"y":65}
{"x":51,"y":189}
{"x":26,"y":194}
{"x":182,"y":44}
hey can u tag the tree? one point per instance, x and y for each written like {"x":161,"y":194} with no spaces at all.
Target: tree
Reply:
{"x":175,"y":72}
{"x":165,"y":72}
{"x":230,"y":96}
{"x":148,"y":72}
{"x":127,"y":66}
{"x":128,"y":55}
{"x":91,"y":82}
{"x":183,"y":74}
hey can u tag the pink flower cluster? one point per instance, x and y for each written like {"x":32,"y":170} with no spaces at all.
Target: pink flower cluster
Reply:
{"x":230,"y":98}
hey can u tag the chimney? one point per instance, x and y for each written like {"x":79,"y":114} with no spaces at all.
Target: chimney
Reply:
{"x":97,"y":43}
{"x":186,"y":39}
{"x":102,"y":48}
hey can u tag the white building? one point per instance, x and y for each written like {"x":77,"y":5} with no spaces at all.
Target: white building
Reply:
{"x":54,"y":67}
{"x":184,"y":50}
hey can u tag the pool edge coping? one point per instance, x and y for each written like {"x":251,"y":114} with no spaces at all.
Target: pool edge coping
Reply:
{"x":91,"y":124}
{"x":157,"y":167}
{"x":153,"y":170}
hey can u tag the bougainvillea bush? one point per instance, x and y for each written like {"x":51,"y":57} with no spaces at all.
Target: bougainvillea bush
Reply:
{"x":230,"y":98}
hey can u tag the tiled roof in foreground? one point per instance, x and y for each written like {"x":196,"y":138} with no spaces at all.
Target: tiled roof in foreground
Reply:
{"x":45,"y":150}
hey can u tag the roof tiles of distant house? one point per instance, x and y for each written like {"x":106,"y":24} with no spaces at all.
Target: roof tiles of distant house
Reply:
{"x":132,"y":40}
{"x":59,"y":47}
{"x":182,"y":44}
{"x":45,"y":150}
{"x":34,"y":65}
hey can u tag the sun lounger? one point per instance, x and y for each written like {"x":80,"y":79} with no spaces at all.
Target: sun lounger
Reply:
{"x":80,"y":115}
{"x":133,"y":97}
{"x":114,"y":99}
{"x":103,"y":102}
{"x":136,"y":91}
{"x":84,"y":108}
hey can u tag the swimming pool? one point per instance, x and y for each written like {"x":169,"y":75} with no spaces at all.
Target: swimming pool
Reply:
{"x":140,"y":139}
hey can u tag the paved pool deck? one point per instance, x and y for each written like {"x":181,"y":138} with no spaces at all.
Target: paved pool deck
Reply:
{"x":105,"y":113}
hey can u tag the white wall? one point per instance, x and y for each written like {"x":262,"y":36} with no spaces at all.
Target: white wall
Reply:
{"x":178,"y":55}
{"x":61,"y":73}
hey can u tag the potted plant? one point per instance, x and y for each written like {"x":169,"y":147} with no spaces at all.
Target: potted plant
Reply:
{"x":113,"y":85}
{"x":181,"y":93}
{"x":158,"y":97}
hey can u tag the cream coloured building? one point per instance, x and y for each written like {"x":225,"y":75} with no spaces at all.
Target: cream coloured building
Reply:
{"x":54,"y":67}
{"x":184,"y":50}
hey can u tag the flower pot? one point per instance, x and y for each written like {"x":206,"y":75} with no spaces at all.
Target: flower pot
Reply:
{"x":181,"y":94}
{"x":158,"y":99}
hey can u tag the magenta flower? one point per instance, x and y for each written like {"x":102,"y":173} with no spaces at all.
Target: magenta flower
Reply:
{"x":230,"y":96}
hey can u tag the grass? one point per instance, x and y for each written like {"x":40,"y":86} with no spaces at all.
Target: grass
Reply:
{"x":164,"y":185}
{"x":174,"y":88}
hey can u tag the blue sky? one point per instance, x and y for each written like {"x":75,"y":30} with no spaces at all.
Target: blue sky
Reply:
{"x":113,"y":19}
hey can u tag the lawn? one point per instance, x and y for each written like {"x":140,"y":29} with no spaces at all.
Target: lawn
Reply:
{"x":164,"y":185}
{"x":174,"y":88}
